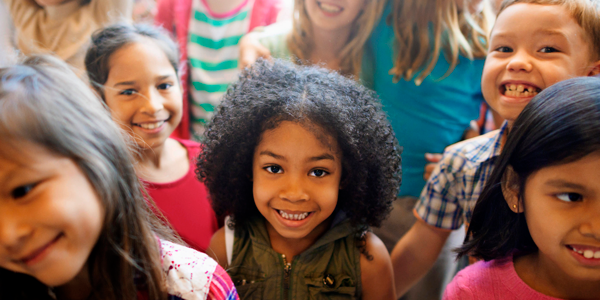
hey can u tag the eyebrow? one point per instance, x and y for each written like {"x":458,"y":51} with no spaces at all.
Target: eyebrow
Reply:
{"x":508,"y":34}
{"x":132,"y":82}
{"x":314,"y":158}
{"x":564,"y":184}
{"x":125,"y":83}
{"x":551,"y":32}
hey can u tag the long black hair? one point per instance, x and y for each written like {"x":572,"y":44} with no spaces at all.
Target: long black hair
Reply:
{"x":560,"y":125}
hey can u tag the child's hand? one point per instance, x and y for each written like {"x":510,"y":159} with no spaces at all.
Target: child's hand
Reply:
{"x":433,"y":159}
{"x":251,"y":50}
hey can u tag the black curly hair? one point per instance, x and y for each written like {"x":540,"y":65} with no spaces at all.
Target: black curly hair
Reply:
{"x":271,"y":92}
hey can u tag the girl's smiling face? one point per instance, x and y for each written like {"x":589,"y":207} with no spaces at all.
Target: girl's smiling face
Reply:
{"x":562,"y":209}
{"x":296,"y":179}
{"x":50,"y":215}
{"x":143,"y":93}
{"x":333,"y":14}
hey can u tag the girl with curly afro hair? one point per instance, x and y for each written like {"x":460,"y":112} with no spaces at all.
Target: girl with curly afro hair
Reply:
{"x":303,"y":161}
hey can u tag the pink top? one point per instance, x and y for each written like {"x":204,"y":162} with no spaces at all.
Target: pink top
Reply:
{"x":174,"y":16}
{"x":495,"y":279}
{"x":184,"y":202}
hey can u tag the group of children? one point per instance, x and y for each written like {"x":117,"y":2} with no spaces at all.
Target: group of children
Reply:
{"x":299,"y":163}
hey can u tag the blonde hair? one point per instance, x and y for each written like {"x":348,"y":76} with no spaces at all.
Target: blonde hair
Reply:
{"x":300,"y":41}
{"x":425,"y":28}
{"x":585,"y":12}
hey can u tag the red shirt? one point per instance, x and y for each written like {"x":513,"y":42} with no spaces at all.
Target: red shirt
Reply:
{"x":184,"y":202}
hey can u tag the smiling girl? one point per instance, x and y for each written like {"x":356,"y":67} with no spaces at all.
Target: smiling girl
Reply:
{"x":331,"y":33}
{"x":303,"y":161}
{"x":537,"y":222}
{"x":134,"y":69}
{"x":74,"y":223}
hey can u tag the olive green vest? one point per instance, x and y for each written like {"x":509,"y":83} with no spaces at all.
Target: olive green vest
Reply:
{"x":329,"y":269}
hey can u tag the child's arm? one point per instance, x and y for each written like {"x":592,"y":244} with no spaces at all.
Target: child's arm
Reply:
{"x":376,"y":275}
{"x":217,"y":250}
{"x":415,"y":254}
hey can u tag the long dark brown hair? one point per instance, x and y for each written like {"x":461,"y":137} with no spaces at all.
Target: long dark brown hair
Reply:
{"x":42,"y":101}
{"x":560,"y":125}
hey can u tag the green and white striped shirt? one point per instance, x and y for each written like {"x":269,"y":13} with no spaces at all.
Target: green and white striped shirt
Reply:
{"x":213,"y":54}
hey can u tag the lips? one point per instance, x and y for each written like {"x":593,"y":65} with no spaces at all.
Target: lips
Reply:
{"x":519,"y":89}
{"x":36,"y":254}
{"x":586,"y":251}
{"x":330,"y":8}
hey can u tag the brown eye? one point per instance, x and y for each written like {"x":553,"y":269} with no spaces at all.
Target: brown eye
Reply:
{"x":21,"y":191}
{"x":569,"y":197}
{"x":274,"y":169}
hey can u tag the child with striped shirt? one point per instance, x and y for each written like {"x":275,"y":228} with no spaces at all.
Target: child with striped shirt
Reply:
{"x":208,"y":32}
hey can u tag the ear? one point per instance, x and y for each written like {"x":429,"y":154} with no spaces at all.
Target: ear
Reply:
{"x":595,"y":69}
{"x":510,"y":190}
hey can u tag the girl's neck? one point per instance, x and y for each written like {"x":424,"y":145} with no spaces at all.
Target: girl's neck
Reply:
{"x":542,"y":275}
{"x":222,"y":7}
{"x":293,"y":247}
{"x":327,"y":45}
{"x":79,"y":288}
{"x":164,"y":163}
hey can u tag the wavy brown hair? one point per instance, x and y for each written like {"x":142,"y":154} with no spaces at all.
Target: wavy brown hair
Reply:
{"x":300,"y":41}
{"x":42,"y":101}
{"x":425,"y":29}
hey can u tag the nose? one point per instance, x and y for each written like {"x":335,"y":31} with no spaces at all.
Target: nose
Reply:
{"x":520,"y":62}
{"x":293,"y":190}
{"x":154,"y":102}
{"x":13,"y":231}
{"x":591,"y":225}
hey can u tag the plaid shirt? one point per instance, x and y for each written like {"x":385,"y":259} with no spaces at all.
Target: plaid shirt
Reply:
{"x":450,"y":194}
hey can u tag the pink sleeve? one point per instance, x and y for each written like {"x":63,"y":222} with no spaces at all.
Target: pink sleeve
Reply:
{"x":165,"y":14}
{"x":221,"y":286}
{"x":264,"y":13}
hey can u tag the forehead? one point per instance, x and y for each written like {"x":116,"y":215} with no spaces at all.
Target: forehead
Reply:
{"x":294,"y":135}
{"x":143,"y":57}
{"x":21,"y":154}
{"x":536,"y":19}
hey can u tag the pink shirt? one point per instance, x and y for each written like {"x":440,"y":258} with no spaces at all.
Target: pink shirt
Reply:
{"x":184,"y":202}
{"x":495,"y":279}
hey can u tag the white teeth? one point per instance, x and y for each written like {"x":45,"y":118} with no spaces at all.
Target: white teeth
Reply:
{"x":297,"y":217}
{"x":520,"y":90}
{"x":151,"y":126}
{"x":329,"y":8}
{"x":588,"y":253}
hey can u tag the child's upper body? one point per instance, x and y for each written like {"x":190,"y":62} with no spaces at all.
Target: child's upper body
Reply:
{"x":525,"y":57}
{"x":332,"y":35}
{"x":528,"y":53}
{"x":63,"y":27}
{"x":208,"y":32}
{"x":303,"y":161}
{"x":74,"y":223}
{"x":536,"y":223}
{"x":134,"y":69}
{"x":428,"y":79}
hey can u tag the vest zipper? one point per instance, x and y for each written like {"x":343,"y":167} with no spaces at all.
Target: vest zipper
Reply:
{"x":287,"y":270}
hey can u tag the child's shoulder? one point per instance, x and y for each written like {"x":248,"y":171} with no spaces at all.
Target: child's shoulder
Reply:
{"x":189,"y":272}
{"x":474,"y":149}
{"x":483,"y":280}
